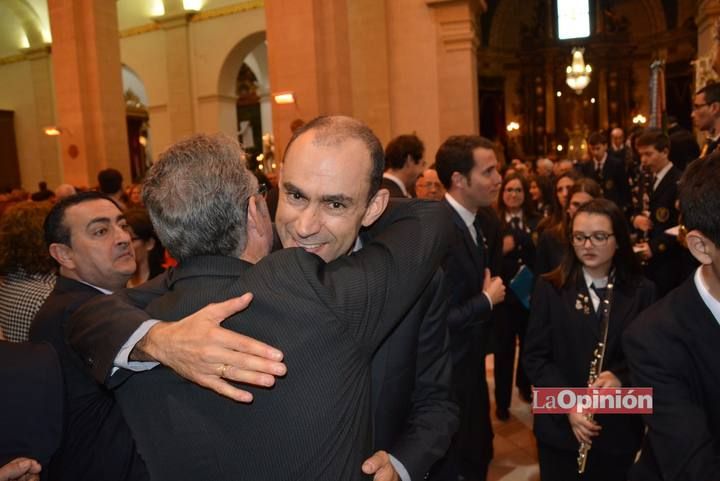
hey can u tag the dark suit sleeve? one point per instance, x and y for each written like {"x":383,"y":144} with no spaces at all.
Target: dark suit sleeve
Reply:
{"x":372,"y":289}
{"x":538,"y":351}
{"x":621,"y":369}
{"x":433,"y":417}
{"x":678,"y":428}
{"x":100,"y":327}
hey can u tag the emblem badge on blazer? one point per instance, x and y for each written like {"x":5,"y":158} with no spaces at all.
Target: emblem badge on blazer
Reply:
{"x":609,"y":184}
{"x":582,"y":303}
{"x":662,"y":214}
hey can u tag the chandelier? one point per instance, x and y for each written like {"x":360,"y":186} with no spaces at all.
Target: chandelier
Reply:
{"x":578,"y":73}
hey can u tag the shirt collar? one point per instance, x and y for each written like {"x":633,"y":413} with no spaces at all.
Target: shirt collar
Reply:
{"x":104,"y":291}
{"x":599,"y":283}
{"x":509,"y":216}
{"x":399,"y":183}
{"x":659,"y":176}
{"x":711,"y":303}
{"x":467,"y":216}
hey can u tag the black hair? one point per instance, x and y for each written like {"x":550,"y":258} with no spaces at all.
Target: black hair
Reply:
{"x":456,"y":155}
{"x":56,"y":232}
{"x":110,"y":181}
{"x":399,"y":148}
{"x":700,"y":196}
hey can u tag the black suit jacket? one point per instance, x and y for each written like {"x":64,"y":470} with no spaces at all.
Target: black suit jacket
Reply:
{"x":395,"y":190}
{"x":665,"y":264}
{"x":673,"y":348}
{"x":559,"y":344}
{"x":414,"y":413}
{"x":470,"y":331}
{"x":31,"y":407}
{"x":330,"y":318}
{"x":613,"y":180}
{"x":96,"y":443}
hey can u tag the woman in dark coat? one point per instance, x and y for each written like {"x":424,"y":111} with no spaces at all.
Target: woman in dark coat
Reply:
{"x":518,"y":220}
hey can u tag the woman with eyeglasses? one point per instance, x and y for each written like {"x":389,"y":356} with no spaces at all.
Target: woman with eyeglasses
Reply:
{"x":563,"y":332}
{"x":518,"y":221}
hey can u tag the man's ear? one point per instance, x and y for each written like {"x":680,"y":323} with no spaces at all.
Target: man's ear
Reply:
{"x":63,"y":254}
{"x":150,"y":244}
{"x":457,"y":179}
{"x":376,"y":207}
{"x":700,"y":247}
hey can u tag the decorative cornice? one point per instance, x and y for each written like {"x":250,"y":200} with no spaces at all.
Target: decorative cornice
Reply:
{"x":201,"y":16}
{"x":13,"y":59}
{"x":130,"y":32}
{"x":228,"y":10}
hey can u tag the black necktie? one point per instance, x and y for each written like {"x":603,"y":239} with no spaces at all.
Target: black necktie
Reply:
{"x":601,"y":293}
{"x":481,"y":241}
{"x":515,"y":223}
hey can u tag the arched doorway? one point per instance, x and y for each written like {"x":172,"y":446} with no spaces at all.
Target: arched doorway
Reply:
{"x":138,"y":123}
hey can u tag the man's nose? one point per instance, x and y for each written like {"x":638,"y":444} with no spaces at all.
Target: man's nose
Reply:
{"x":308,"y":222}
{"x":122,"y":236}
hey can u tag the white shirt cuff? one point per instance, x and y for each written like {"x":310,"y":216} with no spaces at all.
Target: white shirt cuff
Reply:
{"x":121,"y":360}
{"x":489,"y":299}
{"x":399,"y":468}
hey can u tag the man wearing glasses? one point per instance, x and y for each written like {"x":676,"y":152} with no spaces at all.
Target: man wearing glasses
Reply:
{"x":706,"y":116}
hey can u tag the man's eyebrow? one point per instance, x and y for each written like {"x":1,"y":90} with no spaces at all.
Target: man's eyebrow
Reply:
{"x":98,"y":220}
{"x":341,"y":198}
{"x":289,"y":186}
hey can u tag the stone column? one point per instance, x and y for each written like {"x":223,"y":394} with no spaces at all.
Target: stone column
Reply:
{"x":47,"y":165}
{"x":180,"y":104}
{"x":88,"y":88}
{"x":457,"y":66}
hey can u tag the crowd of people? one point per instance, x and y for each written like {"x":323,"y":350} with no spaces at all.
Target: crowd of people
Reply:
{"x":182,"y":329}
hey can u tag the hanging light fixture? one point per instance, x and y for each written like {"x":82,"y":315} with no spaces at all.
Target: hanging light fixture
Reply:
{"x":578,"y":73}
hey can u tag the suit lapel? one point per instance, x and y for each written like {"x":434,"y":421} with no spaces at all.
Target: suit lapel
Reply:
{"x":579,"y":298}
{"x":666,"y":182}
{"x":472,"y":248}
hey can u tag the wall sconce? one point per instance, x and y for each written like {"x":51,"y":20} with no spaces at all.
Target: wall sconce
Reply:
{"x":284,"y":98}
{"x":578,"y":74}
{"x":513,"y":126}
{"x":54,"y":131}
{"x":639,"y":119}
{"x":559,"y":148}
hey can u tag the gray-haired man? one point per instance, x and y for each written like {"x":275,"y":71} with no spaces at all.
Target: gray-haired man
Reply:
{"x":355,"y":293}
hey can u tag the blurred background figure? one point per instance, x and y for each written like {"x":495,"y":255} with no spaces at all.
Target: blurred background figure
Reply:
{"x":110,"y":182}
{"x":134,"y":196}
{"x":149,"y":252}
{"x":28,"y":270}
{"x":64,"y":190}
{"x":552,"y":242}
{"x":428,"y":185}
{"x":544,"y":167}
{"x":404,"y":163}
{"x":43,"y":193}
{"x":541,"y":194}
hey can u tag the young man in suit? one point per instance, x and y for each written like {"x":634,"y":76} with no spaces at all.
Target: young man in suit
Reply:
{"x":467,"y":167}
{"x":414,"y":416}
{"x":404,"y":163}
{"x":673,"y":348}
{"x":607,"y":170}
{"x":661,"y":252}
